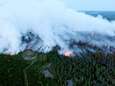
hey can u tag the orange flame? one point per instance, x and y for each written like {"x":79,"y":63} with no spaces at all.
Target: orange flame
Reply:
{"x":68,"y":53}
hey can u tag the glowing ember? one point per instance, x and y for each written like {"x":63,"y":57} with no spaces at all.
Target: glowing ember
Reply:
{"x":68,"y":53}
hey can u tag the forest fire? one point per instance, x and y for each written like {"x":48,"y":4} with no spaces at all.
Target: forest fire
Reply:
{"x":68,"y":53}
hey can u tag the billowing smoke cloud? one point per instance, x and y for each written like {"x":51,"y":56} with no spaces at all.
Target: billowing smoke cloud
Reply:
{"x":43,"y":24}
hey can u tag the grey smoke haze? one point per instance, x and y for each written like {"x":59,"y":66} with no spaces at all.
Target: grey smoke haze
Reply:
{"x":51,"y":23}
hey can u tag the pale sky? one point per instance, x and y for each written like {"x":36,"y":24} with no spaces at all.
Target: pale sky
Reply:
{"x":106,"y":5}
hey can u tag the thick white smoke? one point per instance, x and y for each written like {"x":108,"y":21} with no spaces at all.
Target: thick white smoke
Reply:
{"x":49,"y":23}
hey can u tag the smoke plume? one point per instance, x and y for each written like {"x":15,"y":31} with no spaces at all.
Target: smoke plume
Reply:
{"x":41,"y":25}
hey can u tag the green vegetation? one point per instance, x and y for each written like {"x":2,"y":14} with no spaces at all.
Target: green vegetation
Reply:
{"x":92,"y":69}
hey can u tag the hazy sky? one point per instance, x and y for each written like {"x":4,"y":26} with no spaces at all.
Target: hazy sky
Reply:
{"x":107,"y":5}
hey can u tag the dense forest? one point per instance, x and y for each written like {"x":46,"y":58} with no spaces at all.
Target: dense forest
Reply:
{"x":30,"y":68}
